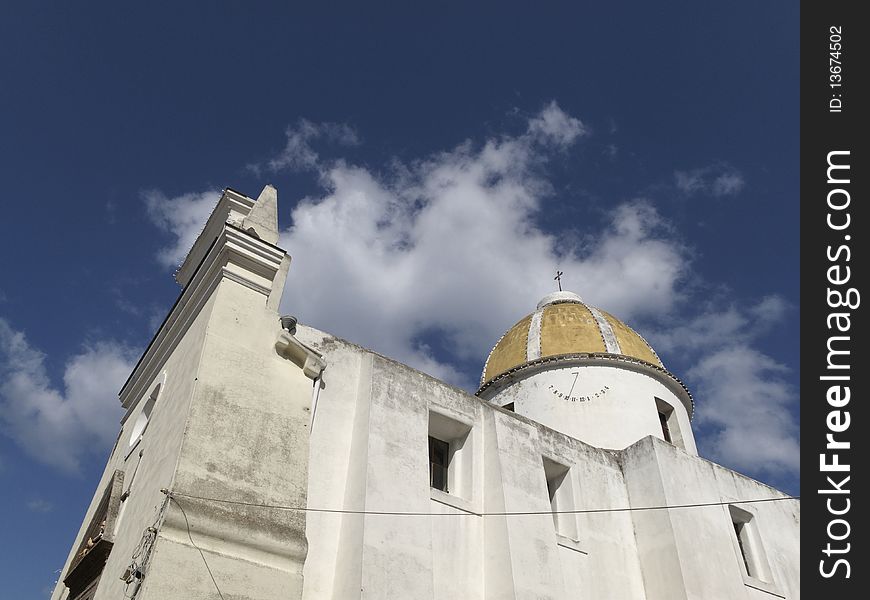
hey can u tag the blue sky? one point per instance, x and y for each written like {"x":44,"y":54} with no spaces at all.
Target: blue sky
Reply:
{"x":436,"y":164}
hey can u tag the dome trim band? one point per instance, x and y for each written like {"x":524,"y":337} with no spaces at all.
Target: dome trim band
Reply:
{"x":591,"y":356}
{"x":607,"y":333}
{"x":533,"y":349}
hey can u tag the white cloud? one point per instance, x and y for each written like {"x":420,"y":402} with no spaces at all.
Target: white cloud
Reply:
{"x":727,"y":184}
{"x":719,"y":325}
{"x":39,"y":505}
{"x":688,"y":182}
{"x":747,"y":402}
{"x":60,"y":426}
{"x":770,"y":310}
{"x":183,"y":217}
{"x":449,"y":245}
{"x":744,"y":402}
{"x":717,"y":180}
{"x":298,"y":153}
{"x":555,"y":126}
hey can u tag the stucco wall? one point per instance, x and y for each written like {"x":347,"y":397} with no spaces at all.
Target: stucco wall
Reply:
{"x":692,"y":553}
{"x":159,"y":448}
{"x":384,"y":408}
{"x":369,"y":452}
{"x":231,"y":423}
{"x":246,"y":441}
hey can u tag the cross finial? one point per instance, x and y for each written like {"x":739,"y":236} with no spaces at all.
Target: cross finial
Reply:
{"x":558,"y":278}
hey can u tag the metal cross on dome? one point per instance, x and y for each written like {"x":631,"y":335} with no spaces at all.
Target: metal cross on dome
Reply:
{"x":558,"y":278}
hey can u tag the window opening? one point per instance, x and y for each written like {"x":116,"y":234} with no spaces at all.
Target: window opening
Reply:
{"x":669,"y":424}
{"x":93,"y":550}
{"x":738,"y":530}
{"x":666,"y":432}
{"x":439,"y":462}
{"x":144,"y":416}
{"x":451,"y":455}
{"x":561,"y":498}
{"x":749,"y":544}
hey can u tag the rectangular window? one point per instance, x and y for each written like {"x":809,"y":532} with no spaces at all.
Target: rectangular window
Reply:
{"x":670,"y":427}
{"x":561,"y":495}
{"x":439,"y":461}
{"x":666,"y":432}
{"x":450,"y":455}
{"x":749,"y":544}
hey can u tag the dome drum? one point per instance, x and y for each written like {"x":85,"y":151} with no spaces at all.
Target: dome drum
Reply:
{"x":495,"y":385}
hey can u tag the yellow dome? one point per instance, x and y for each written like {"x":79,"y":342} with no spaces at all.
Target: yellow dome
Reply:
{"x":564,"y":325}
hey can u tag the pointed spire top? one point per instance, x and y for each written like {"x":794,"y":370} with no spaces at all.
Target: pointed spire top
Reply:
{"x":269,"y":191}
{"x":262,"y":221}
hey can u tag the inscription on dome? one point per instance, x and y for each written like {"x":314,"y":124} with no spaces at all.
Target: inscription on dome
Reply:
{"x":557,"y":388}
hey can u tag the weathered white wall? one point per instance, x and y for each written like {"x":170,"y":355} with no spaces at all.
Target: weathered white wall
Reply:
{"x":369,"y":452}
{"x":369,"y":442}
{"x":692,"y":553}
{"x":339,"y":456}
{"x":159,"y":448}
{"x":246,"y":440}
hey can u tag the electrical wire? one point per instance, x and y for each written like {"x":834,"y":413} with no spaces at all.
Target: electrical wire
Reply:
{"x":175,"y":496}
{"x":479,"y":514}
{"x":141,"y":558}
{"x":204,"y":561}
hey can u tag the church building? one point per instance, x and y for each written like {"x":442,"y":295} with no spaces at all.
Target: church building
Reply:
{"x":263,"y":459}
